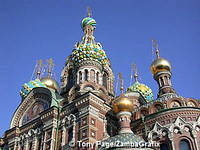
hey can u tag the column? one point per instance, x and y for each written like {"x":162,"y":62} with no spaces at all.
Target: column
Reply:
{"x":194,"y":133}
{"x":53,"y":138}
{"x":105,"y":134}
{"x":101,"y":78}
{"x":63,"y":136}
{"x":26,"y":146}
{"x":172,"y":141}
{"x":83,"y":75}
{"x":16,"y":146}
{"x":35,"y":142}
{"x":89,"y":75}
{"x":44,"y":141}
{"x":78,"y":78}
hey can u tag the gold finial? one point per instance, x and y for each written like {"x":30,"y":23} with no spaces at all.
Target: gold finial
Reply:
{"x":121,"y":83}
{"x":89,"y":12}
{"x":155,"y":47}
{"x":50,"y":66}
{"x":134,"y":67}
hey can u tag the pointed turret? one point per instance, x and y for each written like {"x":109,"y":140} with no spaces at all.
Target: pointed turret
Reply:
{"x":161,"y":70}
{"x":88,"y":67}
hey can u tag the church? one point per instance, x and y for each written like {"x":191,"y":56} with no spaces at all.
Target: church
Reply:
{"x":84,"y":113}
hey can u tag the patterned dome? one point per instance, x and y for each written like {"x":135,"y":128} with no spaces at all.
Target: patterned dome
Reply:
{"x":89,"y":51}
{"x":27,"y":87}
{"x":144,"y":90}
{"x":88,"y":21}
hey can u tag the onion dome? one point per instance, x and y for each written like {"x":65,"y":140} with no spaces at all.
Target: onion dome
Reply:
{"x":27,"y":87}
{"x":122,"y":103}
{"x":89,"y":51}
{"x":143,"y":89}
{"x":88,"y":21}
{"x":50,"y":83}
{"x":159,"y":65}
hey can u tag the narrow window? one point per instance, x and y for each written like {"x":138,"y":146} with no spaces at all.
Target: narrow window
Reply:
{"x":105,"y":80}
{"x":184,"y":145}
{"x":92,"y":76}
{"x":97,"y":77}
{"x":70,"y":78}
{"x":86,"y":74}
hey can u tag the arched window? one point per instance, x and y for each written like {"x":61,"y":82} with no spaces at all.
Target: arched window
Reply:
{"x":184,"y":145}
{"x":92,"y":75}
{"x":164,"y":147}
{"x":70,"y":134}
{"x":162,"y":81}
{"x":97,"y":77}
{"x":105,"y":80}
{"x":70,"y":78}
{"x":158,"y":107}
{"x":144,"y":112}
{"x":166,"y":80}
{"x":86,"y":74}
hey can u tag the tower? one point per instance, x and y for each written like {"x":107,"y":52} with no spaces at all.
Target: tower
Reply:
{"x":87,"y":68}
{"x":87,"y":86}
{"x":161,"y":70}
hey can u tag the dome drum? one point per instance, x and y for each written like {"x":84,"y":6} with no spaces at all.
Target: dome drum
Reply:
{"x":90,"y":63}
{"x":157,"y":75}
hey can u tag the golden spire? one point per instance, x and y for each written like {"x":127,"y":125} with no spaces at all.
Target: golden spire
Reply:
{"x":89,"y":12}
{"x":121,"y":81}
{"x":159,"y":64}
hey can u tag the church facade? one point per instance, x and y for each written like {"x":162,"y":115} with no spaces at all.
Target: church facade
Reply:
{"x":83,"y":112}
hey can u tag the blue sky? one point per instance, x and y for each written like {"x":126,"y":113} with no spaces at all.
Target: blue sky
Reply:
{"x":42,"y":29}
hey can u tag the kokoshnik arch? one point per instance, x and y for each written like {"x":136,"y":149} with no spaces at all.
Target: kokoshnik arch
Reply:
{"x":85,"y":109}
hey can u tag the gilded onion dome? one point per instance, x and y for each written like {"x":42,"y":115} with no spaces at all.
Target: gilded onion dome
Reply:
{"x":143,"y":89}
{"x":50,"y":83}
{"x":159,"y":65}
{"x":122,"y":103}
{"x":27,"y":87}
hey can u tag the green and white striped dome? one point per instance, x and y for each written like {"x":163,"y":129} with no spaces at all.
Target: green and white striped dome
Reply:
{"x":88,"y":21}
{"x":27,"y":87}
